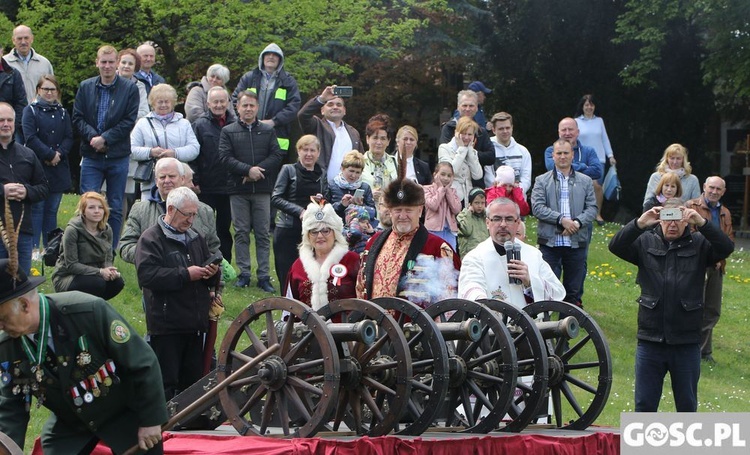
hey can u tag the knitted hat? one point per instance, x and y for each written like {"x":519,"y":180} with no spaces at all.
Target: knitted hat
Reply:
{"x":317,"y":214}
{"x":474,"y":193}
{"x":356,"y":211}
{"x":11,"y":287}
{"x":505,"y":175}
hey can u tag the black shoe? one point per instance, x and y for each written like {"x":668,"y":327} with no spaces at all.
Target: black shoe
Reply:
{"x":265,"y":284}
{"x":243,"y":281}
{"x":600,"y":222}
{"x":709,"y":359}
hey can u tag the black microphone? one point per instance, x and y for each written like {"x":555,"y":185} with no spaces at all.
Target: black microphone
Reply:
{"x":512,"y":251}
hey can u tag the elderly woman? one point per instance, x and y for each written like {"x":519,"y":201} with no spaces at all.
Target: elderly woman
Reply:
{"x":326,"y":270}
{"x":163,"y":132}
{"x":675,"y":160}
{"x":86,"y":257}
{"x":295,"y":185}
{"x":463,"y":157}
{"x":195,"y":104}
{"x":48,"y":132}
{"x":380,"y":168}
{"x":406,"y":143}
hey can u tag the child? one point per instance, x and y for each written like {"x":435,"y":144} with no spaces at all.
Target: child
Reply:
{"x":506,"y":186}
{"x":349,"y":180}
{"x":669,"y":186}
{"x":472,"y":229}
{"x":357,"y":229}
{"x":442,"y":204}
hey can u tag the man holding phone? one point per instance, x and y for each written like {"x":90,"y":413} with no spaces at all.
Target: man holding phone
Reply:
{"x":672,"y":263}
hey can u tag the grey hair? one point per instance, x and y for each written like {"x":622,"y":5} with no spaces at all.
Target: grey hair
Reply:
{"x":502,"y":201}
{"x":219,"y":70}
{"x":179,"y":196}
{"x":469,"y":93}
{"x":169,"y":161}
{"x":217,"y":89}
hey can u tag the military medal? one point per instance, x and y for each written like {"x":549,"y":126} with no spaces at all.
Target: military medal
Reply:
{"x":111,"y":369}
{"x":338,"y":271}
{"x":84,"y":357}
{"x":87,"y":396}
{"x":5,"y":377}
{"x":77,"y":400}
{"x":104,"y":376}
{"x":94,"y":387}
{"x":42,"y":337}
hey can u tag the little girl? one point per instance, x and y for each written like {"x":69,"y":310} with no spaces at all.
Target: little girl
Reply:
{"x":669,"y":186}
{"x":345,"y":185}
{"x":442,"y":204}
{"x":505,"y":186}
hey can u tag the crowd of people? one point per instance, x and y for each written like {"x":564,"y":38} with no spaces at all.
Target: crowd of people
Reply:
{"x":349,"y":218}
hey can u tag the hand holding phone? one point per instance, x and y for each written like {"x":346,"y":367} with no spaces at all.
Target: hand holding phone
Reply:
{"x":215,"y":259}
{"x":359,"y":196}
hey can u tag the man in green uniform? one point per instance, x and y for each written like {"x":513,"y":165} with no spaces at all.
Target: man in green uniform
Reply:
{"x":80,"y":359}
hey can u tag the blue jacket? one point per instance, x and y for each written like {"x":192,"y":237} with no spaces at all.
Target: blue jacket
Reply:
{"x":120,"y":120}
{"x":12,"y":91}
{"x":584,"y":160}
{"x":46,"y":130}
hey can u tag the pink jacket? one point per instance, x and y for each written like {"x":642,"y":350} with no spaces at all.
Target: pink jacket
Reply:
{"x":516,"y":195}
{"x":441,"y":203}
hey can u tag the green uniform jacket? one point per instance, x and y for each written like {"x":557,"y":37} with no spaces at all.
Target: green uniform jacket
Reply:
{"x":139,"y":395}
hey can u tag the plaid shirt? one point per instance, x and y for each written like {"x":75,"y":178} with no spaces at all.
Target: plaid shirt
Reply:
{"x":563,"y":240}
{"x":105,"y":96}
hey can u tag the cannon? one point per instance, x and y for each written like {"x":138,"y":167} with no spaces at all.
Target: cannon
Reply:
{"x":388,"y":366}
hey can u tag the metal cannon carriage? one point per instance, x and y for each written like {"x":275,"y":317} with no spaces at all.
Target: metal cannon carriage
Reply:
{"x":387,"y":366}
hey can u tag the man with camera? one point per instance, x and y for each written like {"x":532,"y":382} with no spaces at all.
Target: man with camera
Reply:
{"x":671,"y":262}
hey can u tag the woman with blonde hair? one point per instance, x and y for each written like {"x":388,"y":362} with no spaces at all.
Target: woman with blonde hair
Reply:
{"x":86,"y":257}
{"x":406,"y":143}
{"x":674,"y":160}
{"x":669,"y":186}
{"x":462,"y":155}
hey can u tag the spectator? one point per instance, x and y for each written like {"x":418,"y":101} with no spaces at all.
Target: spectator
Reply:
{"x":163,"y":133}
{"x":508,"y":152}
{"x":211,"y":176}
{"x":442,"y":205}
{"x":148,"y":59}
{"x":347,"y":183}
{"x":86,"y":260}
{"x":104,"y":113}
{"x":278,"y":96}
{"x":358,"y":229}
{"x":462,"y":156}
{"x":296,"y":184}
{"x":89,"y":337}
{"x":675,"y":160}
{"x":380,"y":167}
{"x":584,"y":158}
{"x":49,"y":133}
{"x":23,"y":183}
{"x":250,"y":152}
{"x":335,"y":136}
{"x":24,"y":59}
{"x":128,"y":63}
{"x":709,"y":207}
{"x":563,"y":202}
{"x":178,"y":288}
{"x":326,"y":270}
{"x":472,"y":229}
{"x":482,"y":91}
{"x":196,"y":103}
{"x":406,"y":144}
{"x":672,"y":264}
{"x":592,"y":133}
{"x":12,"y":91}
{"x":669,"y":186}
{"x":487,"y":274}
{"x":505,"y":186}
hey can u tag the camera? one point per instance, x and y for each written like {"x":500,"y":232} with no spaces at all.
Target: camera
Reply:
{"x":670,"y":214}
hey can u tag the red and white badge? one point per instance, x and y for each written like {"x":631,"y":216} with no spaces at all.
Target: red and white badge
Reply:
{"x":338,"y":272}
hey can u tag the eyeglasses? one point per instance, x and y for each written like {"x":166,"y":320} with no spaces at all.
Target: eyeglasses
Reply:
{"x":48,"y":89}
{"x":324,"y":231}
{"x":186,"y":215}
{"x":500,"y":219}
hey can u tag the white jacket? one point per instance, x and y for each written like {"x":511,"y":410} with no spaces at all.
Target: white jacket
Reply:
{"x":514,"y":155}
{"x":484,"y":275}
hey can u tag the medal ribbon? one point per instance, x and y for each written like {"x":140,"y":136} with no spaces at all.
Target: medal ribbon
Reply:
{"x":42,"y":335}
{"x":83,"y":343}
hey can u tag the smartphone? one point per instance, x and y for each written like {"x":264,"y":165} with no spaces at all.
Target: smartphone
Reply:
{"x":359,"y":194}
{"x":216,"y":259}
{"x":670,"y":214}
{"x":343,"y":91}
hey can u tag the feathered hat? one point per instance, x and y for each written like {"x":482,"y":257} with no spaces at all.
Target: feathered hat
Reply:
{"x":13,"y":281}
{"x":321,"y":213}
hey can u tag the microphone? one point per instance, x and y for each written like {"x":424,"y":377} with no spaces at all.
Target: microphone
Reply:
{"x":512,"y":251}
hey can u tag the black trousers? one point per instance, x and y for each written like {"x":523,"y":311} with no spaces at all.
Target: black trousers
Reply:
{"x":180,"y":359}
{"x":220,"y":204}
{"x":96,"y":285}
{"x":285,"y":241}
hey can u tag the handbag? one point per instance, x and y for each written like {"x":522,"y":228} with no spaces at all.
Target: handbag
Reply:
{"x":611,"y":186}
{"x":144,"y":173}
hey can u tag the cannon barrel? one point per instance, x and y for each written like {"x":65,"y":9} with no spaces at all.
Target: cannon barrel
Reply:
{"x":470,"y":330}
{"x":567,"y":328}
{"x":363,"y":331}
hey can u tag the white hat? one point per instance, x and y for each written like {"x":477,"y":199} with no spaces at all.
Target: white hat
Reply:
{"x":323,"y":213}
{"x":505,"y":175}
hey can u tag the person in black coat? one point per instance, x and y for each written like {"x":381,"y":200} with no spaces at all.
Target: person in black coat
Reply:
{"x":406,"y":143}
{"x":12,"y":90}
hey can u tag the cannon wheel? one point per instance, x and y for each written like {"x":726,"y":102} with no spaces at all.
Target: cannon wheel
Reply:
{"x":429,"y":383}
{"x":302,"y":377}
{"x":580,"y":369}
{"x":376,"y":379}
{"x":483,"y":374}
{"x":8,"y":446}
{"x":531,"y":353}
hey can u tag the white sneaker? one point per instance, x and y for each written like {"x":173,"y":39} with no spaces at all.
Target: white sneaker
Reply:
{"x":36,"y":255}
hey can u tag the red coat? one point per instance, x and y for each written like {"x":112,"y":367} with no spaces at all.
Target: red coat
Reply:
{"x":516,"y":195}
{"x":305,"y":273}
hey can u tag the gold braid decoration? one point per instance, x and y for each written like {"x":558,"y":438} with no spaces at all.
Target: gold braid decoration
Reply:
{"x":9,"y":235}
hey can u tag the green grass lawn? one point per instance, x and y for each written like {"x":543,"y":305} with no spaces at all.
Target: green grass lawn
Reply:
{"x":610,"y":298}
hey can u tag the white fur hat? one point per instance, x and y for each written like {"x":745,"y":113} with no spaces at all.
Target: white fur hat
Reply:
{"x":317,"y":214}
{"x":505,"y":175}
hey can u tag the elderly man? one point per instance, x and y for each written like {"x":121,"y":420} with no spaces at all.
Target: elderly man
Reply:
{"x":486,"y":273}
{"x":336,"y":137}
{"x":150,"y":79}
{"x":83,"y":362}
{"x":178,"y":287}
{"x":508,"y":152}
{"x":584,"y":158}
{"x":563,"y":202}
{"x":397,"y":261}
{"x":671,"y":264}
{"x":709,"y":207}
{"x":169,"y":173}
{"x":27,"y":61}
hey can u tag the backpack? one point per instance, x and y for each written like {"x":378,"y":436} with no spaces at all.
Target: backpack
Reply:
{"x":611,"y":185}
{"x":52,"y":251}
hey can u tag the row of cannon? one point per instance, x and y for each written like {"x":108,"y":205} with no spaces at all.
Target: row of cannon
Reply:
{"x":387,"y":366}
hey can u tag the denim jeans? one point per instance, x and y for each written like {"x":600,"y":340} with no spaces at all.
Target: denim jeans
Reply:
{"x":571,"y":263}
{"x":24,"y":252}
{"x":653,"y":361}
{"x":44,"y":217}
{"x":447,"y":235}
{"x":94,"y":172}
